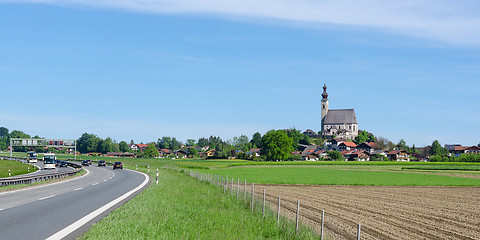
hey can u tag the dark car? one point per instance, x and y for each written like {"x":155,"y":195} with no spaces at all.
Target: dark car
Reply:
{"x":118,"y":165}
{"x":62,"y":164}
{"x":102,"y":163}
{"x":89,"y":162}
{"x":85,"y":163}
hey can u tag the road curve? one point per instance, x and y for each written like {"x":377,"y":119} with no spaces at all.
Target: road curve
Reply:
{"x":65,"y":209}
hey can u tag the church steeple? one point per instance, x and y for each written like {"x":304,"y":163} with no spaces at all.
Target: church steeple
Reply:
{"x":324,"y":109}
{"x":324,"y":94}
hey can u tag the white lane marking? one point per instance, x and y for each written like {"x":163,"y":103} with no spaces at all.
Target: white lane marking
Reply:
{"x":46,"y":185}
{"x":94,"y":184}
{"x":43,"y":198}
{"x":1,"y":209}
{"x":105,"y":180}
{"x":80,"y":188}
{"x":74,"y":226}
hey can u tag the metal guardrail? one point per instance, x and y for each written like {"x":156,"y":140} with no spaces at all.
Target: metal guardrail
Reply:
{"x":22,"y":179}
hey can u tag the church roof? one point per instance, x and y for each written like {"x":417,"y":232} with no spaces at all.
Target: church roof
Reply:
{"x":339,"y":116}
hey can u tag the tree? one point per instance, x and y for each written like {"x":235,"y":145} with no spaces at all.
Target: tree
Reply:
{"x":190,"y":142}
{"x":364,"y":136}
{"x":202,"y":142}
{"x":3,"y":132}
{"x":276,"y":145}
{"x":123,"y":147}
{"x":256,"y":140}
{"x":164,"y":142}
{"x":151,"y":151}
{"x":335,"y":155}
{"x":437,"y":149}
{"x":192,"y":152}
{"x":402,"y":145}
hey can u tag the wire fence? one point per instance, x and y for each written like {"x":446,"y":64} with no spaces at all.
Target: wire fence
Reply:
{"x":257,"y":196}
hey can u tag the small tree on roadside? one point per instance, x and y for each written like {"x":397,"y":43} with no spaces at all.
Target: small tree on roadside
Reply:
{"x":335,"y":155}
{"x":276,"y":145}
{"x":151,"y":151}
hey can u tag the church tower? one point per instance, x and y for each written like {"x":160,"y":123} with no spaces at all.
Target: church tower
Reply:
{"x":324,"y":104}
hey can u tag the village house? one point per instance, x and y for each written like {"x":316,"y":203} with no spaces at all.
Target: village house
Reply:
{"x":457,"y":149}
{"x":142,"y":147}
{"x":356,"y":155}
{"x":120,"y":154}
{"x":254,"y":152}
{"x":133,"y":147}
{"x":310,"y":133}
{"x":347,"y":146}
{"x":367,"y":147}
{"x":399,"y":155}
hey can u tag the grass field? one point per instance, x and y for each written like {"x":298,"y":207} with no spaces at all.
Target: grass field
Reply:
{"x":16,"y":168}
{"x":181,"y":207}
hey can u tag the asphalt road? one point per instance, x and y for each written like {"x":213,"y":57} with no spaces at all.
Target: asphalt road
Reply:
{"x":42,"y":211}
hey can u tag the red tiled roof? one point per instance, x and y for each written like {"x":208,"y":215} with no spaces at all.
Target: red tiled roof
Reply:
{"x":349,"y":144}
{"x":142,"y":145}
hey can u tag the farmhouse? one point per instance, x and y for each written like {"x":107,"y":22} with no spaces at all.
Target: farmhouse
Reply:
{"x":398,"y":155}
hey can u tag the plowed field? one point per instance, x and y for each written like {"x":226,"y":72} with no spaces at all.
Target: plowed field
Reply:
{"x":384,"y":212}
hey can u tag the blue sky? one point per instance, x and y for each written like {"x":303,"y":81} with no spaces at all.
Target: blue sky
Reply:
{"x":190,"y":69}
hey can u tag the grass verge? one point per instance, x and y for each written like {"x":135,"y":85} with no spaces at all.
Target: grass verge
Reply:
{"x":181,"y":207}
{"x":16,"y":168}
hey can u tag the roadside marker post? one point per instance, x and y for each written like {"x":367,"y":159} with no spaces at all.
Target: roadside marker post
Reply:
{"x":148,"y":168}
{"x":136,"y":167}
{"x":157,"y":175}
{"x":9,"y":173}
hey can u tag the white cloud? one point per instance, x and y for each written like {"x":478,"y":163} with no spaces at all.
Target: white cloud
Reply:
{"x":442,"y":20}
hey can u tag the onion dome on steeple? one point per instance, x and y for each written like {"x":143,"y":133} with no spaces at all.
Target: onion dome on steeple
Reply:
{"x":324,"y":94}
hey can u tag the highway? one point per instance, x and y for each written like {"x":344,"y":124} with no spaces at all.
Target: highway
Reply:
{"x":66,"y":209}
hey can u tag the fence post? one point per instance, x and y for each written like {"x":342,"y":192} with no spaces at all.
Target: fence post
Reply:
{"x":278,"y":211}
{"x":136,"y":167}
{"x":245,"y":190}
{"x":321,"y":229}
{"x":238,"y":187}
{"x":253,"y":194}
{"x":157,"y":175}
{"x":231,"y":190}
{"x":263,"y":209}
{"x":358,"y":231}
{"x":298,"y":214}
{"x":225,"y":188}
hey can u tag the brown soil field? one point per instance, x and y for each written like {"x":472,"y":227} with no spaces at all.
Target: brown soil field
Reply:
{"x":399,"y":212}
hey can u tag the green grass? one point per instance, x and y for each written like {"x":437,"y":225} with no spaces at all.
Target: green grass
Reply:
{"x":181,"y":207}
{"x":445,"y":167}
{"x":338,"y":176}
{"x":16,"y":168}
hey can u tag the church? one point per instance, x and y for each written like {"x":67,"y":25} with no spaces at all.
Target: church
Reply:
{"x":338,"y":122}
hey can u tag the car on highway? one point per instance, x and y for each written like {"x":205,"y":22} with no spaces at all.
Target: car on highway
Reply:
{"x":118,"y":165}
{"x":102,"y":163}
{"x":85,"y":163}
{"x":62,"y":164}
